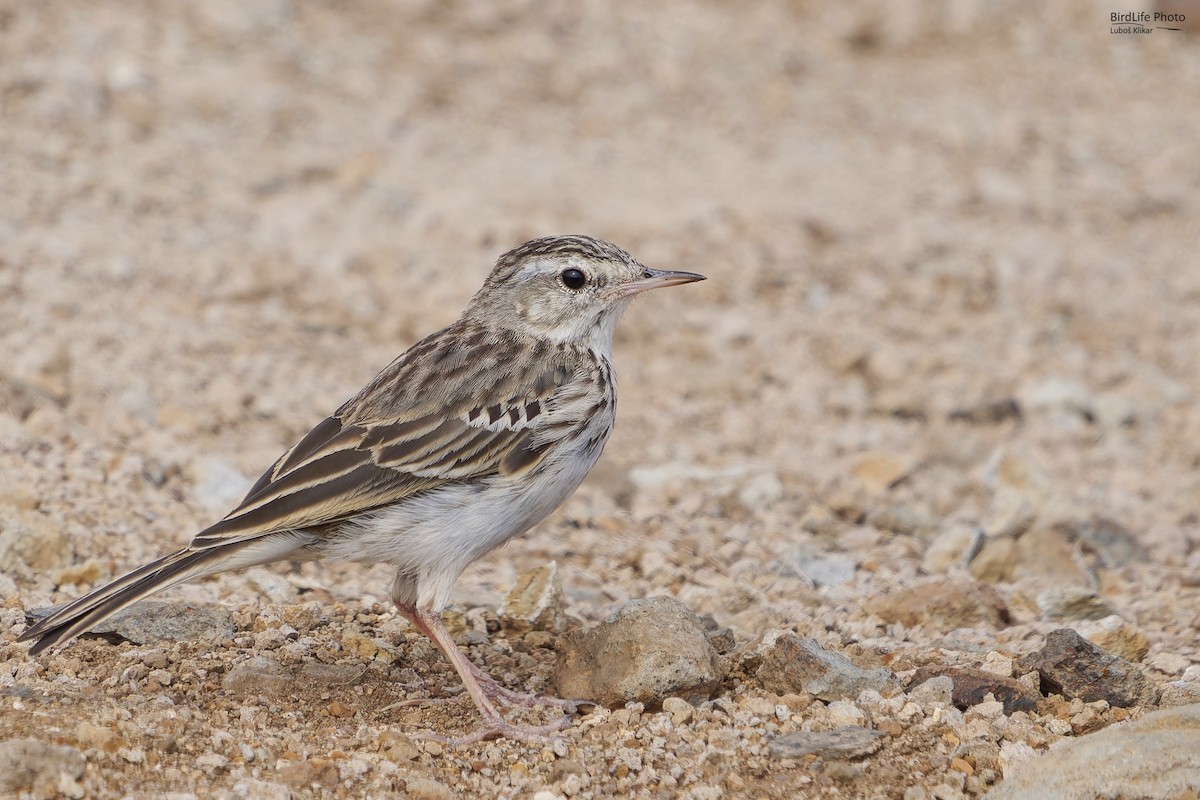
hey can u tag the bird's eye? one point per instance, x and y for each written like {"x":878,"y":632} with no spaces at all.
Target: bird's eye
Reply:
{"x":573,"y":279}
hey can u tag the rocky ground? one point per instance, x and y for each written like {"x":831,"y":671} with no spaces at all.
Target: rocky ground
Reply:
{"x":918,"y":463}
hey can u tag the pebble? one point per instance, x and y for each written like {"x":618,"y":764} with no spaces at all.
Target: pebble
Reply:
{"x":91,"y":735}
{"x":536,"y":601}
{"x":308,"y":773}
{"x":1168,"y":663}
{"x":944,"y":604}
{"x":1156,"y":757}
{"x":272,"y":585}
{"x":1071,"y":603}
{"x":644,"y":652}
{"x":949,"y":549}
{"x":816,"y":567}
{"x":1117,"y":636}
{"x":31,"y":541}
{"x":878,"y":472}
{"x":27,"y":765}
{"x":680,"y":710}
{"x":1112,"y":542}
{"x":1180,"y":693}
{"x":156,"y":621}
{"x":251,"y":789}
{"x":217,"y":484}
{"x":258,"y":675}
{"x":1076,"y":668}
{"x":428,"y":789}
{"x":794,"y":665}
{"x":937,"y":691}
{"x":842,"y":743}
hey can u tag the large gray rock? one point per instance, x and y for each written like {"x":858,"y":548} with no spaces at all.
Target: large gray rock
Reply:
{"x":646,"y":651}
{"x":155,"y":621}
{"x":793,"y":664}
{"x":1157,"y":756}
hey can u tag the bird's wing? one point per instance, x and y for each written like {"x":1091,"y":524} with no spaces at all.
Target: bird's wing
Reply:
{"x":439,"y":413}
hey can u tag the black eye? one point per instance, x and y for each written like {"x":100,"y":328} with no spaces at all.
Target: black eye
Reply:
{"x":573,"y":278}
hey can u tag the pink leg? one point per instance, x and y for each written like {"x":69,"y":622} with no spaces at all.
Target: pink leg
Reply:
{"x":482,"y":688}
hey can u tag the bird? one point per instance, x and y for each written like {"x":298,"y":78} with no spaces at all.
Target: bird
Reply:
{"x":468,"y":439}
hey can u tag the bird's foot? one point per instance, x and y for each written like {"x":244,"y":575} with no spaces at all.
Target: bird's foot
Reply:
{"x":512,"y":697}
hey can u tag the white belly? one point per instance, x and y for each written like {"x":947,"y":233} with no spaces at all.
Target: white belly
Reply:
{"x":432,"y":537}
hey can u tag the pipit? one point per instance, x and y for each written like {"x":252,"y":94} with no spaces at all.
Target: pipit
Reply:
{"x":469,"y":438}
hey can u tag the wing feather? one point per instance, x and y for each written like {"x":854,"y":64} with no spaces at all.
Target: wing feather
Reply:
{"x":401,"y":436}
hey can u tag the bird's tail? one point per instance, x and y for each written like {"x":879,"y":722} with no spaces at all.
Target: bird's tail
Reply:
{"x":78,"y":616}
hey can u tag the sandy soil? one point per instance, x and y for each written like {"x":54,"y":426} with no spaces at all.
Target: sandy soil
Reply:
{"x":220,"y":219}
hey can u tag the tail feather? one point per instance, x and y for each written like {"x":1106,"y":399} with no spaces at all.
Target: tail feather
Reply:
{"x":79,"y":615}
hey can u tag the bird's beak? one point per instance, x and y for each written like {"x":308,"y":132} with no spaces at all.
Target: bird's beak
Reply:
{"x":655,"y":279}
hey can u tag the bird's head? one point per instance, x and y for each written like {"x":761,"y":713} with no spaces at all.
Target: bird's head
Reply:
{"x":568,"y":288}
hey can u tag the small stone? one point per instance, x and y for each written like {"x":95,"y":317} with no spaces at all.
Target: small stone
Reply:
{"x":1113,"y":545}
{"x":271,"y":585}
{"x":88,"y":573}
{"x":1168,"y":663}
{"x":1156,"y":757}
{"x":339,"y":709}
{"x":314,"y":673}
{"x":646,"y":651}
{"x":998,"y":664}
{"x":1011,"y":471}
{"x":723,"y":640}
{"x":938,"y":690}
{"x":1076,"y":668}
{"x":949,"y":549}
{"x":154,"y":621}
{"x":1057,"y":395}
{"x":679,"y":709}
{"x":793,"y":664}
{"x":30,"y":541}
{"x":428,"y":789}
{"x":878,"y":472}
{"x":818,"y":568}
{"x":1117,"y":636}
{"x":844,"y":713}
{"x":843,"y":743}
{"x":536,"y":601}
{"x":312,"y":772}
{"x":760,"y":491}
{"x":989,"y":412}
{"x":27,"y":765}
{"x":1071,"y":603}
{"x":258,"y":675}
{"x":943,"y":604}
{"x":91,"y":735}
{"x":397,"y":748}
{"x":217,"y":484}
{"x":1180,"y":693}
{"x":251,"y":789}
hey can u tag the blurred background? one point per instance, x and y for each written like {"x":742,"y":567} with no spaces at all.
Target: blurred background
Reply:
{"x":952,"y":313}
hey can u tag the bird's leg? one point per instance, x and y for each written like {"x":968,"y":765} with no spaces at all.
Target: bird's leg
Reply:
{"x":494,"y":725}
{"x":490,"y":687}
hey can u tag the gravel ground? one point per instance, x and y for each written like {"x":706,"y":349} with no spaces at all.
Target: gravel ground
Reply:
{"x":936,"y":401}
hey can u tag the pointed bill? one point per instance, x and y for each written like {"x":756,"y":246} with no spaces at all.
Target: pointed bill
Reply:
{"x":655,"y":279}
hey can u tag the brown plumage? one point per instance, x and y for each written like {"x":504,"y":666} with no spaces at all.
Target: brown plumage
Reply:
{"x":469,"y":438}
